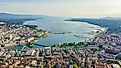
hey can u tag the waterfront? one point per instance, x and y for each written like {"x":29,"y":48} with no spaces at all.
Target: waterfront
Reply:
{"x":12,"y":35}
{"x":59,"y":44}
{"x":93,"y":49}
{"x":60,"y":34}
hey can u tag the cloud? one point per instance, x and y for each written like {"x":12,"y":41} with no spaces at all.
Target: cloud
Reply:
{"x":82,"y":8}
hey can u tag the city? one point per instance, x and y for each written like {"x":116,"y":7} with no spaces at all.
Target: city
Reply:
{"x":60,"y":33}
{"x":103,"y":52}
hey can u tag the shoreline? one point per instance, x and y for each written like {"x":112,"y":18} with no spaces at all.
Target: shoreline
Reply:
{"x":88,"y":41}
{"x":71,"y":32}
{"x":20,"y":34}
{"x":23,"y":44}
{"x":97,"y":35}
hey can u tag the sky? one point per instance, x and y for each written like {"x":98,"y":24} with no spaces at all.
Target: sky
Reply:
{"x":63,"y":8}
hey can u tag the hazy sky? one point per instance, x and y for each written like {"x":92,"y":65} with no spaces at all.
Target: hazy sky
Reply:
{"x":65,"y":8}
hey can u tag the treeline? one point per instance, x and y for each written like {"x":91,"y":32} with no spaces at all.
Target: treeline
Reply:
{"x":80,"y":44}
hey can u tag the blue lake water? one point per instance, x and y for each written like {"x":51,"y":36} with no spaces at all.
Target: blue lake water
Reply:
{"x":56,"y":24}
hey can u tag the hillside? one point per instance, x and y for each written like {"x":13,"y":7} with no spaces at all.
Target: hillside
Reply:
{"x":113,"y":24}
{"x":17,"y":18}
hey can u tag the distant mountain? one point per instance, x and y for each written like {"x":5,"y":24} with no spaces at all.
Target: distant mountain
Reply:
{"x":112,"y":23}
{"x":110,"y":18}
{"x":19,"y":16}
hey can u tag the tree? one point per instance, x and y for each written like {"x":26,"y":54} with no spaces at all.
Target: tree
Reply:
{"x":75,"y":66}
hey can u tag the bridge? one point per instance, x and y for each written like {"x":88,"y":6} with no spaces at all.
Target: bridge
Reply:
{"x":40,"y":45}
{"x":33,"y":45}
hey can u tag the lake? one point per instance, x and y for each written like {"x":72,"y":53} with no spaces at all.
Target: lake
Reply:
{"x":57,"y":24}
